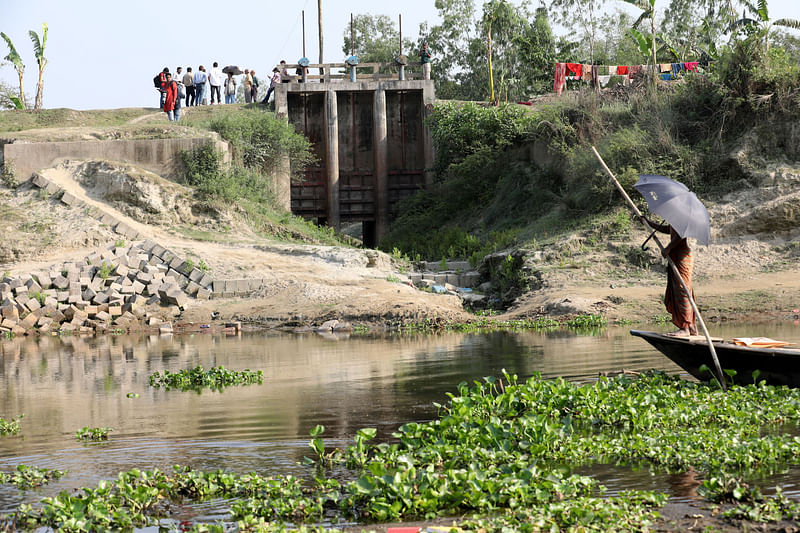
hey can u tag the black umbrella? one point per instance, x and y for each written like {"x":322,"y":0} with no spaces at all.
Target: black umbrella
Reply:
{"x":233,"y":69}
{"x":676,"y":204}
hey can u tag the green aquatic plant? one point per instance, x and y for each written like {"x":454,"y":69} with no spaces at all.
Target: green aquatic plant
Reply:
{"x":196,"y":379}
{"x":28,"y":477}
{"x":583,"y":322}
{"x":10,"y":427}
{"x":500,"y":450}
{"x":90,"y":433}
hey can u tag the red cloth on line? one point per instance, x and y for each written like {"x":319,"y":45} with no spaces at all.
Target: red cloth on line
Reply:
{"x":577,"y":68}
{"x":560,"y":80}
{"x":171,"y":90}
{"x":691,"y":66}
{"x":621,"y":70}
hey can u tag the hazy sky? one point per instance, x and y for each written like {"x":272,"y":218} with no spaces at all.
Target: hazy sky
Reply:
{"x":104,"y":53}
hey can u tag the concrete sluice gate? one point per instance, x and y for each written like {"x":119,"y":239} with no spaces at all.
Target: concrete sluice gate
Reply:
{"x":372,"y":148}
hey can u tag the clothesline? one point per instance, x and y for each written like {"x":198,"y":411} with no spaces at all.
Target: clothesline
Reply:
{"x":592,"y":73}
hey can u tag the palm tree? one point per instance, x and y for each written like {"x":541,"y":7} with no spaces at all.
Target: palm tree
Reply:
{"x":38,"y":49}
{"x":762,"y":21}
{"x":16,"y":60}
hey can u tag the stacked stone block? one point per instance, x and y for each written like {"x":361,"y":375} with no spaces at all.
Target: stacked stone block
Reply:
{"x":109,"y":289}
{"x":71,"y":200}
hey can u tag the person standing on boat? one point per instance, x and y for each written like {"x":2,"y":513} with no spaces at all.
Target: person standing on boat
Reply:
{"x":675,"y":298}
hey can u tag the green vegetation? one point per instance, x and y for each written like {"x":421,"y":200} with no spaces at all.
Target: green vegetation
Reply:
{"x":8,"y":175}
{"x":501,"y":453}
{"x":87,"y":433}
{"x":29,"y":477}
{"x":262,"y":143}
{"x":10,"y":427}
{"x":197,"y":379}
{"x":105,"y":270}
{"x":39,"y":296}
{"x":507,"y":176}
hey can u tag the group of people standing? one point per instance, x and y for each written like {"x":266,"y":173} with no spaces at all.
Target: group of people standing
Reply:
{"x":194,"y":87}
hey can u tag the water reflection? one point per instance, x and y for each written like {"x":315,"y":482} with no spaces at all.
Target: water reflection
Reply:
{"x":64,"y":384}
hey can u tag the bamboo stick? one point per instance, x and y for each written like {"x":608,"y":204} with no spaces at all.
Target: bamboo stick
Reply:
{"x":720,"y":377}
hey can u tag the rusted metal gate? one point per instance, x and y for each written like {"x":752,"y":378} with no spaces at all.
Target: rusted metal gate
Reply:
{"x":356,"y":156}
{"x":309,"y":194}
{"x":406,"y":153}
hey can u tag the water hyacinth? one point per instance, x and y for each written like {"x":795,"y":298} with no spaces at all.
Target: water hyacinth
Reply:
{"x":28,"y":477}
{"x":494,"y":455}
{"x":9,"y":427}
{"x":197,"y":379}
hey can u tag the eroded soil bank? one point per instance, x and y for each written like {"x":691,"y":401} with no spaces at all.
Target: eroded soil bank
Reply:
{"x":598,"y":271}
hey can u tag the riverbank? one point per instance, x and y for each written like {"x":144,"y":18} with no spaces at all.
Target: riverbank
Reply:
{"x":742,"y":278}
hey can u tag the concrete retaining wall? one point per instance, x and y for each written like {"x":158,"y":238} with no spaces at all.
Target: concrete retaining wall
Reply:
{"x":160,"y":156}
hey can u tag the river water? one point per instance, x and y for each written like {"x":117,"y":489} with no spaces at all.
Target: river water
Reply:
{"x":64,"y":384}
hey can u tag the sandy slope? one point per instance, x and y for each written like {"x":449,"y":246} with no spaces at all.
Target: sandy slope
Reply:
{"x":734,"y":276}
{"x":315,"y":282}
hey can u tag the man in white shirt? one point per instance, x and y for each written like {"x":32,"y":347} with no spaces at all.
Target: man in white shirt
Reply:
{"x":215,"y":80}
{"x":200,"y":78}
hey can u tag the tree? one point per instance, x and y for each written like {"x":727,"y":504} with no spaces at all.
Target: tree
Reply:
{"x":15,"y":60}
{"x":376,"y":37}
{"x":696,"y":24}
{"x":503,"y":24}
{"x":648,"y":8}
{"x":761,"y":23}
{"x":38,"y":50}
{"x":8,"y":97}
{"x":450,"y":40}
{"x":580,"y":15}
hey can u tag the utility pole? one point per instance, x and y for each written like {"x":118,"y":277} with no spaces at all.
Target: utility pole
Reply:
{"x":319,"y":22}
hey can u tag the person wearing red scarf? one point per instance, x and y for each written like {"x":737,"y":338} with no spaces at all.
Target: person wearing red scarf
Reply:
{"x":170,"y":94}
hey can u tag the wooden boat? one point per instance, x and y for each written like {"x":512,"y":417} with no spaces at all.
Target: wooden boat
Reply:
{"x":776,"y":366}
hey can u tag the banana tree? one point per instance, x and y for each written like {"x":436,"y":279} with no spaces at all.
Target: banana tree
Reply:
{"x":38,"y":49}
{"x":648,"y":8}
{"x":15,"y":60}
{"x":761,"y":22}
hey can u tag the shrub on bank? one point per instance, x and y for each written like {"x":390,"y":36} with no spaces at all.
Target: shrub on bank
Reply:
{"x":531,"y":172}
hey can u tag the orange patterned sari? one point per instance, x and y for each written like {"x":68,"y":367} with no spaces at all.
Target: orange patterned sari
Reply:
{"x":675,"y":298}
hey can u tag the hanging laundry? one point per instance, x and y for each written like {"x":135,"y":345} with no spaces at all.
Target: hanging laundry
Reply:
{"x":587,"y":73}
{"x":575,"y":68}
{"x":634,"y":70}
{"x":667,"y":76}
{"x":665,"y":67}
{"x":691,"y":67}
{"x":612,"y":70}
{"x":677,"y":68}
{"x":603,"y":80}
{"x":622,"y":70}
{"x":558,"y":84}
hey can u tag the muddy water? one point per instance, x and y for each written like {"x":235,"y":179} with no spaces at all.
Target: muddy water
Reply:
{"x":62,"y":385}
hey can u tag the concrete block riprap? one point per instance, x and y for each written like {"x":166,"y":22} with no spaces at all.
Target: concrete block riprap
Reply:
{"x":115,"y":285}
{"x":192,"y":288}
{"x":70,"y":200}
{"x":242,"y":286}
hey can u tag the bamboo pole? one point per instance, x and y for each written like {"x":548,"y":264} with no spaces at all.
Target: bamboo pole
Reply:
{"x":720,"y":377}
